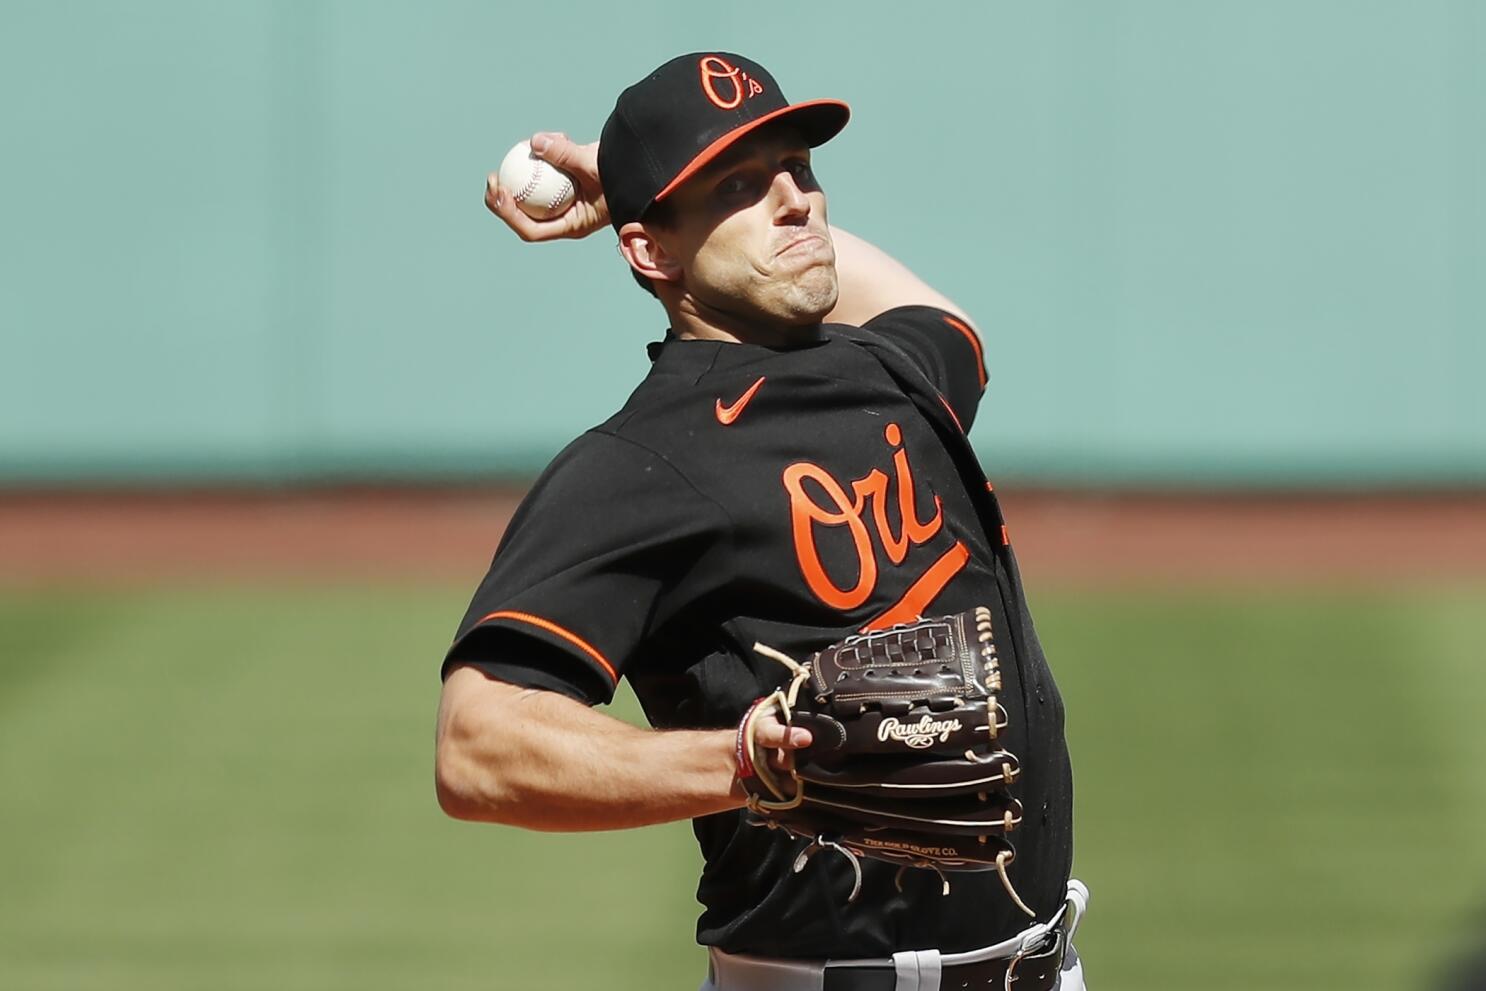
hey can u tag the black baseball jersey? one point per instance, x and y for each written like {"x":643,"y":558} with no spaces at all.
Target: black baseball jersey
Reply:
{"x":789,"y":495}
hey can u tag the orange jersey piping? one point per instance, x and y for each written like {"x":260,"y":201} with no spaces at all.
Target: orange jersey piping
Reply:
{"x":958,"y":425}
{"x":974,"y":339}
{"x":553,"y":628}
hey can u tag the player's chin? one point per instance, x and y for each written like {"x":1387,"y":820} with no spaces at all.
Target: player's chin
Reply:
{"x":812,"y":295}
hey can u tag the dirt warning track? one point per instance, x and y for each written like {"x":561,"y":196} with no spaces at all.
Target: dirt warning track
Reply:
{"x":401,"y":534}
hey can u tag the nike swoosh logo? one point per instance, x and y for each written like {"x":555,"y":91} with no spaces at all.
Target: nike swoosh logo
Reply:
{"x":727,"y":414}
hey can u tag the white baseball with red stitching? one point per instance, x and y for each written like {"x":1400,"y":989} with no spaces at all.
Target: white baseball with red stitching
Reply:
{"x":541,"y":190}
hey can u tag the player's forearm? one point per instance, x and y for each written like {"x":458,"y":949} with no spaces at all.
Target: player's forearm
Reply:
{"x":873,"y":282}
{"x":541,"y":761}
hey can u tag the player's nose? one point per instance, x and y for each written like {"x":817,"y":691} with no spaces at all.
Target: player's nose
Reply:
{"x":791,"y":203}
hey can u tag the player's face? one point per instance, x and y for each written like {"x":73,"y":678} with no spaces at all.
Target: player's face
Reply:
{"x":750,"y":234}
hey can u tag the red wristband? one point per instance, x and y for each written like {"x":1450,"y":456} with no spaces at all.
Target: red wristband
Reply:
{"x":741,"y":752}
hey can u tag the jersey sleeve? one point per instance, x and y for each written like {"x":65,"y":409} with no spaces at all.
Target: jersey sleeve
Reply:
{"x":608,"y":529}
{"x":945,"y":348}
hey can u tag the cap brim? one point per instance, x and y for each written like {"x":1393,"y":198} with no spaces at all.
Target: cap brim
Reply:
{"x":819,"y":121}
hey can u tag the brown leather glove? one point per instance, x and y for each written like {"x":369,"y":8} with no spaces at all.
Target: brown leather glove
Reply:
{"x":905,"y":764}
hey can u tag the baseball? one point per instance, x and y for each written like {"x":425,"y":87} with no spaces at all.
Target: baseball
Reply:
{"x":541,"y":190}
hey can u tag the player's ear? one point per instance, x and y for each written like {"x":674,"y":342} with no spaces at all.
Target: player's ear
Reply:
{"x":646,"y":254}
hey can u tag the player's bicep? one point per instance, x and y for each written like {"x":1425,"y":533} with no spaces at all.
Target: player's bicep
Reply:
{"x":471,"y":695}
{"x":873,"y":282}
{"x":483,"y":741}
{"x":467,"y":703}
{"x":506,"y":655}
{"x":467,"y":688}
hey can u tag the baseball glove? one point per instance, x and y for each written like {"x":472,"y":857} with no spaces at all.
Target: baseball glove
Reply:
{"x":905,"y":764}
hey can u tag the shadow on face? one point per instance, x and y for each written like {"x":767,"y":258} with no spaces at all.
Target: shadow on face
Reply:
{"x":746,"y":238}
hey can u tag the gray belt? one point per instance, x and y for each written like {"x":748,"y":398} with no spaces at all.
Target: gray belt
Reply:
{"x":910,"y":970}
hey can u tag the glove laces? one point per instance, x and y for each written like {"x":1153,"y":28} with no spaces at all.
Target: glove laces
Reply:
{"x":821,"y":843}
{"x":784,"y":700}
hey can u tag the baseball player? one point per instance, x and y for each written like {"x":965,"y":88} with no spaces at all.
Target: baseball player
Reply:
{"x":793,"y":469}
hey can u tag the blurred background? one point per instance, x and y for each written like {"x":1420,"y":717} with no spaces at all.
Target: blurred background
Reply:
{"x":272,"y":381}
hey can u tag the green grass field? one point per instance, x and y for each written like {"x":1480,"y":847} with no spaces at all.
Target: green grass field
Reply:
{"x":230,"y":787}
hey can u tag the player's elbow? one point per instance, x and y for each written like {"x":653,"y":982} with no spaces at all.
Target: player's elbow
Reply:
{"x":451,"y":785}
{"x":470,"y":779}
{"x":458,"y":803}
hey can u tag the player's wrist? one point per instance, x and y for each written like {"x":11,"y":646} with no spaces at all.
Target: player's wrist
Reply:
{"x":744,"y":759}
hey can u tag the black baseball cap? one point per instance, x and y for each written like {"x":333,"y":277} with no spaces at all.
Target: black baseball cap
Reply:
{"x":683,"y":115}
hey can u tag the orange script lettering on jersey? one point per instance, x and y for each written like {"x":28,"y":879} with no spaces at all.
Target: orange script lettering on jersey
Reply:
{"x":838,"y":509}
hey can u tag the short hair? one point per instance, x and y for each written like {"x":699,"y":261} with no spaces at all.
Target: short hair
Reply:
{"x":661,"y":214}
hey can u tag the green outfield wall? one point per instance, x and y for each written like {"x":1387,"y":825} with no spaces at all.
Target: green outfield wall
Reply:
{"x":1209,"y":243}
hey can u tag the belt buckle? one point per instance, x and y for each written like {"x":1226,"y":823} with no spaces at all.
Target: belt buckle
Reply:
{"x":1052,"y":948}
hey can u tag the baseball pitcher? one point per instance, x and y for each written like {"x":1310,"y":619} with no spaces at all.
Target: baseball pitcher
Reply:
{"x":786,"y":544}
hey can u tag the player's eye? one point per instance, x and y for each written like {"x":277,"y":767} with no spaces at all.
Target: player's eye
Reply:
{"x":804,"y":175}
{"x":740,"y":188}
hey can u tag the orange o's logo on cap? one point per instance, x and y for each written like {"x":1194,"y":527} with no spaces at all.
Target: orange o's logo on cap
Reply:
{"x":735,"y":84}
